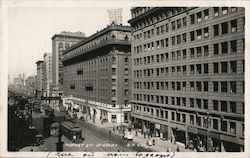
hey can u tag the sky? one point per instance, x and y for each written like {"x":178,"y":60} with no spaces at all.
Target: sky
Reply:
{"x":30,"y":30}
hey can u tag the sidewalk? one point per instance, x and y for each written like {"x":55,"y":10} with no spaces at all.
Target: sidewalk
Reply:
{"x":160,"y":145}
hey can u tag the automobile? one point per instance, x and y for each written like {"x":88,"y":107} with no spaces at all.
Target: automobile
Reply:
{"x":128,"y":135}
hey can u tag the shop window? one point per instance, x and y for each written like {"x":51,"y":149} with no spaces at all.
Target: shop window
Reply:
{"x":215,"y":105}
{"x":224,"y":126}
{"x":223,"y":106}
{"x":224,"y":28}
{"x":216,"y":30}
{"x":205,"y":85}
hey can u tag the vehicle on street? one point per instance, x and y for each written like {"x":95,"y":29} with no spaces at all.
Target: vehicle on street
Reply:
{"x":72,"y":131}
{"x":128,"y":135}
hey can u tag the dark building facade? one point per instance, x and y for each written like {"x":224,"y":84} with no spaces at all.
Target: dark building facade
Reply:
{"x":97,"y":75}
{"x":188,"y":74}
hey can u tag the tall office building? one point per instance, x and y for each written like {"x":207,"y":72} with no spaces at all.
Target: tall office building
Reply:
{"x":47,"y":57}
{"x":188,"y":74}
{"x":40,"y":78}
{"x":59,"y":43}
{"x":97,"y":75}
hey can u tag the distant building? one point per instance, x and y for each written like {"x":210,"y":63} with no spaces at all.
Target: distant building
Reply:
{"x":188,"y":74}
{"x":47,"y":58}
{"x":40,"y":78}
{"x":18,"y":81}
{"x":31,"y":82}
{"x":97,"y":75}
{"x":59,"y":43}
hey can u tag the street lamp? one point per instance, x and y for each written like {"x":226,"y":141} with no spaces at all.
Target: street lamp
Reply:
{"x":209,"y":141}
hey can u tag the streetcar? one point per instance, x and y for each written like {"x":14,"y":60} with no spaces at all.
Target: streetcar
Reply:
{"x":72,"y":131}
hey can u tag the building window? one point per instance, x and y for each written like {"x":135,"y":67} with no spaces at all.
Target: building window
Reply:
{"x":233,"y":25}
{"x":184,"y":21}
{"x":173,"y":117}
{"x":233,"y":65}
{"x":184,"y":53}
{"x":178,"y":23}
{"x":215,"y":105}
{"x":206,"y":14}
{"x":223,"y":106}
{"x":233,"y":47}
{"x":173,"y":40}
{"x":198,"y":121}
{"x":205,"y":86}
{"x":224,"y":86}
{"x":192,"y":86}
{"x":233,"y":9}
{"x":215,"y":124}
{"x":191,"y":52}
{"x":216,"y":11}
{"x":224,"y":126}
{"x":192,"y":35}
{"x":216,"y":49}
{"x":198,"y":103}
{"x":183,"y":101}
{"x":198,"y":51}
{"x":173,"y":25}
{"x":191,"y":119}
{"x":198,"y":17}
{"x":198,"y":33}
{"x":215,"y":86}
{"x":178,"y":39}
{"x":224,"y":27}
{"x":191,"y":102}
{"x":224,"y":48}
{"x":205,"y":104}
{"x":223,"y":67}
{"x":233,"y":107}
{"x":205,"y":67}
{"x":216,"y":30}
{"x":224,"y":10}
{"x":192,"y":19}
{"x":232,"y":127}
{"x":178,"y":115}
{"x":198,"y":68}
{"x":233,"y":86}
{"x":206,"y":33}
{"x":216,"y":68}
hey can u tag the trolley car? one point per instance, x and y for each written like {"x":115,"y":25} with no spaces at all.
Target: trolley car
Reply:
{"x":72,"y":131}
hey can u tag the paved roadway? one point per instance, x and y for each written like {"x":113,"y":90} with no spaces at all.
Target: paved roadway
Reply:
{"x":96,"y":139}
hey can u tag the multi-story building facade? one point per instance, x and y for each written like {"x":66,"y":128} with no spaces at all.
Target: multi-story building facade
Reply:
{"x":188,"y":74}
{"x":97,"y":74}
{"x":40,"y":78}
{"x":47,"y":58}
{"x":31,"y":82}
{"x":59,"y":43}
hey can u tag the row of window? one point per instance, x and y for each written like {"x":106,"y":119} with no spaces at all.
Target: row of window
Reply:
{"x":205,"y":121}
{"x":205,"y":86}
{"x":224,"y":67}
{"x":196,"y":52}
{"x":197,"y":103}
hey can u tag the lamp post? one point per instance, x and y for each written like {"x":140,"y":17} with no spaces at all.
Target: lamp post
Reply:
{"x":209,"y":141}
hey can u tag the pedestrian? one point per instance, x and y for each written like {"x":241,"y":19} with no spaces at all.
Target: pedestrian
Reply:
{"x":177,"y":149}
{"x":153,"y":141}
{"x":109,"y":133}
